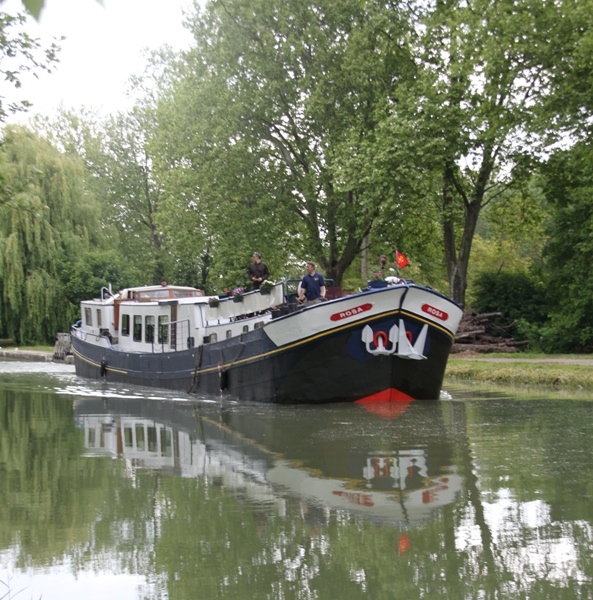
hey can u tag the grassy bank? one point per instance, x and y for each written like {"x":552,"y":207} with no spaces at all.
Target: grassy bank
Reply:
{"x":49,"y":349}
{"x":559,"y":372}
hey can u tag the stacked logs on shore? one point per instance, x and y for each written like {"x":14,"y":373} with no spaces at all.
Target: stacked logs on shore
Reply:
{"x":480,"y":332}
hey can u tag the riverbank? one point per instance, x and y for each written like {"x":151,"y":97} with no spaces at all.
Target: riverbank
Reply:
{"x":559,"y":372}
{"x":33,"y":355}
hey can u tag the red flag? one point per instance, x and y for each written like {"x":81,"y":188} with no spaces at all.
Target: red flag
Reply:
{"x":404,"y":544}
{"x":401,"y":260}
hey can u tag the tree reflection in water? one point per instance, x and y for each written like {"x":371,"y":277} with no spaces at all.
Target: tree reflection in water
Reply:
{"x":467,"y":497}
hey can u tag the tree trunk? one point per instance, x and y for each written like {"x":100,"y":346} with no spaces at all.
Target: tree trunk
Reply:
{"x":335,"y":266}
{"x":351,"y":251}
{"x":364,"y":263}
{"x":458,"y":262}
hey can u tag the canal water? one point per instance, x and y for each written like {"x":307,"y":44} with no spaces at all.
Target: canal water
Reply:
{"x":122,"y":493}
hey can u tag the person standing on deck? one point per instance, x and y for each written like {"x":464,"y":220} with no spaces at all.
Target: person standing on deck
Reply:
{"x":258,"y":271}
{"x":312,"y":287}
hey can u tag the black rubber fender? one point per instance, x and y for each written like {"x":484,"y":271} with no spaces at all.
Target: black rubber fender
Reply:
{"x":224,"y":379}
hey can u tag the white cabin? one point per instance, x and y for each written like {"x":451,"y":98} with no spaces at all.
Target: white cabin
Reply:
{"x":172,"y":318}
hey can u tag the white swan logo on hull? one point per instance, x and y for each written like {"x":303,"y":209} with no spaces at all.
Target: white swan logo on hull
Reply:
{"x":396,"y":342}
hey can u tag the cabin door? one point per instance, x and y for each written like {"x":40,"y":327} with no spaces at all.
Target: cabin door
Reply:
{"x":174,"y":327}
{"x":166,"y":330}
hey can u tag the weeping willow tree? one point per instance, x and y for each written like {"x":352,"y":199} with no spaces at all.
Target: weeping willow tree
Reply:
{"x":46,"y":221}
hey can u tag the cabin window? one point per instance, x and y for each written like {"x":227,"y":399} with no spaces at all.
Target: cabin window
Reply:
{"x":88,"y":316}
{"x":128,"y":437}
{"x":140,"y":441}
{"x":125,"y":324}
{"x":152,"y":439}
{"x":213,"y":337}
{"x":163,"y":329}
{"x":245,"y":328}
{"x":149,"y":329}
{"x":99,"y":319}
{"x":229,"y":334}
{"x":137,"y":328}
{"x":166,"y":443}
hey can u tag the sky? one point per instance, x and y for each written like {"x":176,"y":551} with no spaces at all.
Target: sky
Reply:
{"x":104,"y":46}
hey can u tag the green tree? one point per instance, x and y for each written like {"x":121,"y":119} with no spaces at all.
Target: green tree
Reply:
{"x":509,"y":241}
{"x":520,"y":297}
{"x":34,"y":7}
{"x":120,"y":174}
{"x":569,"y":253}
{"x":45,"y":219}
{"x":20,"y":54}
{"x":131,"y":192}
{"x":473,"y":114}
{"x":266,"y":104}
{"x":84,"y":276}
{"x":571,"y":55}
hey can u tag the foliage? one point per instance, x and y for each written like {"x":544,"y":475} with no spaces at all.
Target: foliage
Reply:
{"x":20,"y":54}
{"x":344,"y":120}
{"x":568,"y":187}
{"x":42,"y":463}
{"x":570,"y":106}
{"x":84,"y":276}
{"x":260,"y":138}
{"x":211,"y":217}
{"x":516,"y":226}
{"x":510,"y":236}
{"x":45,"y":220}
{"x":34,"y":7}
{"x":117,"y":155}
{"x":323,"y":130}
{"x":473,"y":112}
{"x":519,"y":296}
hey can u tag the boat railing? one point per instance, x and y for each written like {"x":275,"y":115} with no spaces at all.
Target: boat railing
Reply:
{"x":103,"y":338}
{"x":173,"y":337}
{"x":255,"y":302}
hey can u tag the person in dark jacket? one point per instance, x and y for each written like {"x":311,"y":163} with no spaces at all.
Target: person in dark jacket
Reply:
{"x":258,"y":271}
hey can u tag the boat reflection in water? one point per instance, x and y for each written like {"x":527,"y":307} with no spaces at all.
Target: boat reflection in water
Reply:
{"x":397,"y":470}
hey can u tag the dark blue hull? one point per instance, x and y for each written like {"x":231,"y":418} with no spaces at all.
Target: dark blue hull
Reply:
{"x":329,"y":367}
